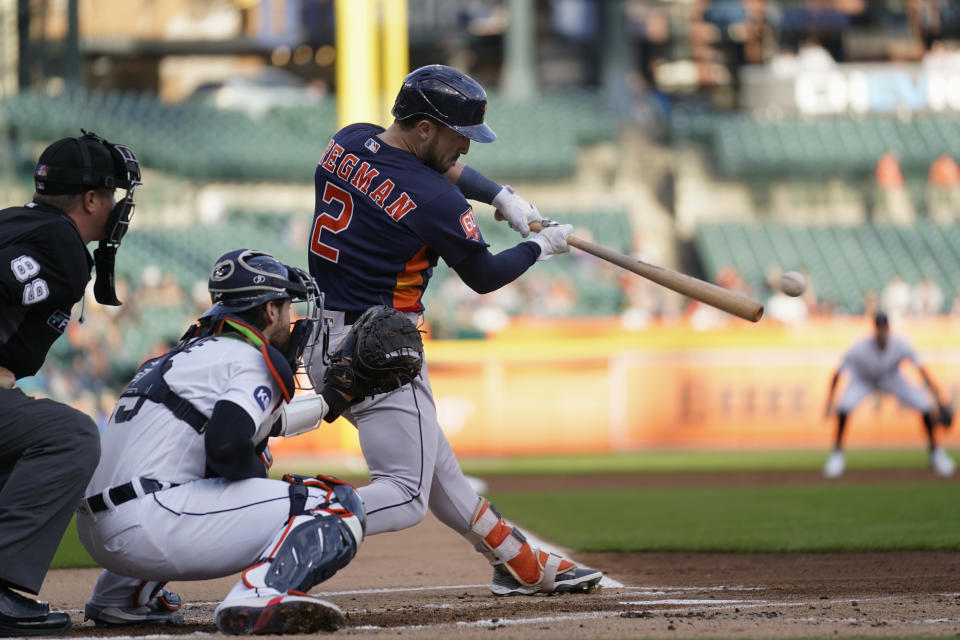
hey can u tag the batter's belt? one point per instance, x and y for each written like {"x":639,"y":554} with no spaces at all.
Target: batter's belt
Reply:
{"x":125,"y":493}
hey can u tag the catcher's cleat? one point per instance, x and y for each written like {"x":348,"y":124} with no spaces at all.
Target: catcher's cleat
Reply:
{"x":573,"y":580}
{"x":291,"y":613}
{"x":942,"y":464}
{"x":163,"y":608}
{"x":834,"y":466}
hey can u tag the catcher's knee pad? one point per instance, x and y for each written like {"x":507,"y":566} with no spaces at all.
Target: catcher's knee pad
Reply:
{"x":341,"y":497}
{"x":504,"y":544}
{"x":313,"y":545}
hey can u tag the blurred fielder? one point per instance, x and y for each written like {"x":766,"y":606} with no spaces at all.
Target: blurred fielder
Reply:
{"x":873,"y":364}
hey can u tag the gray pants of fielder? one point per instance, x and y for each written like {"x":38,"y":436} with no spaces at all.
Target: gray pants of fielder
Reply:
{"x":48,"y":452}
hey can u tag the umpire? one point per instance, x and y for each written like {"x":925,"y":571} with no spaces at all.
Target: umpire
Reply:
{"x":48,"y":450}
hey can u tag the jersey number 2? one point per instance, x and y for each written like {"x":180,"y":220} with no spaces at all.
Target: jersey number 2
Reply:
{"x":331,"y":193}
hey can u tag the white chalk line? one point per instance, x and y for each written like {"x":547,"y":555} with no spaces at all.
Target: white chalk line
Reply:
{"x":355,"y":592}
{"x":873,"y":621}
{"x":491,"y":622}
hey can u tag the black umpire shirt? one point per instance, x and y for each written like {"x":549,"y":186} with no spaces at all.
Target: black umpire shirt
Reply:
{"x":44,"y":269}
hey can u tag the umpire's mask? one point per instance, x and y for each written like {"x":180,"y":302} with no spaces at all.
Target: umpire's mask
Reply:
{"x":76,"y":165}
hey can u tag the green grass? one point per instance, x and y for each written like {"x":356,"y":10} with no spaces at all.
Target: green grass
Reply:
{"x":659,"y":462}
{"x":70,"y":553}
{"x":694,"y":461}
{"x":821,"y":517}
{"x":816,"y":518}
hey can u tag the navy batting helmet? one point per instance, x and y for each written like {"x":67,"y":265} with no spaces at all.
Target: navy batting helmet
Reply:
{"x":448,"y":96}
{"x":243,"y":279}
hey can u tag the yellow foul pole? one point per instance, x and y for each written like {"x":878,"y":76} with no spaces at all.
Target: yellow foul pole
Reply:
{"x":357,"y":61}
{"x":395,"y":58}
{"x":372,"y":58}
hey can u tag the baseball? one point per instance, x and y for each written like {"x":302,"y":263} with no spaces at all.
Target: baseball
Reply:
{"x":793,"y":283}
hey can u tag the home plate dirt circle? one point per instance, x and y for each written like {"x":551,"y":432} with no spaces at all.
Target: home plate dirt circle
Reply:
{"x":427,"y":582}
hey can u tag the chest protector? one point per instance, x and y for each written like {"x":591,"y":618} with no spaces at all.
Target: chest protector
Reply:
{"x":149,"y":383}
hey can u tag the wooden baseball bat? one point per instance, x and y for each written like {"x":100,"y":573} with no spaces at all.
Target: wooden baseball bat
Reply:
{"x":708,"y":293}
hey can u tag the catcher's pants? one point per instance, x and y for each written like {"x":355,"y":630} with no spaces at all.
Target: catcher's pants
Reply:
{"x":203,"y":529}
{"x":48,"y":452}
{"x":859,"y":388}
{"x":411,"y":464}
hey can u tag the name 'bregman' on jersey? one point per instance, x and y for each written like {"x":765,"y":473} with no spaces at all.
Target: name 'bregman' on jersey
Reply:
{"x":382,"y":221}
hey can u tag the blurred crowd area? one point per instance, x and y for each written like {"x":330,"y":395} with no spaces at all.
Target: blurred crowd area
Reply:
{"x":706,"y":43}
{"x":675,"y":131}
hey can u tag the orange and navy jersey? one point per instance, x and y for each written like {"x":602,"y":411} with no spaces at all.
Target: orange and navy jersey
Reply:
{"x":382,"y":219}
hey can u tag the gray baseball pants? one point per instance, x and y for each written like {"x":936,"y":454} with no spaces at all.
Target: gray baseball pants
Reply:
{"x":48,"y":452}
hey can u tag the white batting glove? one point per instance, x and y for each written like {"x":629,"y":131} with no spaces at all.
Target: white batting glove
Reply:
{"x":553,"y":240}
{"x":516,"y":211}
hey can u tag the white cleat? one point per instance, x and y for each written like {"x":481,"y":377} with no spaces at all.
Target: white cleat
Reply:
{"x":286,"y":614}
{"x":943,"y":465}
{"x":835,"y":465}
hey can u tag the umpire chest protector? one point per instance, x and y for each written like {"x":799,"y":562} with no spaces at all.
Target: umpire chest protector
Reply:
{"x":43,"y":274}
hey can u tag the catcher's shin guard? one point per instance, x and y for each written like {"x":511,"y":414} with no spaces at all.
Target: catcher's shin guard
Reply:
{"x":313,"y":545}
{"x":506,"y":548}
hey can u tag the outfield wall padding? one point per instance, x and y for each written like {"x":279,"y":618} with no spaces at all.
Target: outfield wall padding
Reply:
{"x":591,"y":386}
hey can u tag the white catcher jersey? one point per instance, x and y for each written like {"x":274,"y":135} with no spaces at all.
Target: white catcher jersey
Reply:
{"x":155,"y":444}
{"x":867,"y":361}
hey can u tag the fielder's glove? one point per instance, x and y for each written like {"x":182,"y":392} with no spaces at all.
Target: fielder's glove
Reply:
{"x":945,"y":415}
{"x":383,"y":351}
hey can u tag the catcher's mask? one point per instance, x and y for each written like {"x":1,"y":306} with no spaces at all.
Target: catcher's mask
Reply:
{"x":77,"y":165}
{"x":243,"y":279}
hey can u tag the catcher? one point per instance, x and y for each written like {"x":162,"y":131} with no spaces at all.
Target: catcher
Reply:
{"x":181,"y":491}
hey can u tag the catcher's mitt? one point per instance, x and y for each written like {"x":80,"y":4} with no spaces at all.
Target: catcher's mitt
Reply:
{"x":945,"y":415}
{"x":383,"y":351}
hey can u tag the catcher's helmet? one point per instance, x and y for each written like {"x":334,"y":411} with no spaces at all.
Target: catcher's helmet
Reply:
{"x":243,"y":279}
{"x":448,"y":96}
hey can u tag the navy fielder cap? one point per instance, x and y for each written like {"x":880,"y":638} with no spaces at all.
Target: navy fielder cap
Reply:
{"x":881,"y":319}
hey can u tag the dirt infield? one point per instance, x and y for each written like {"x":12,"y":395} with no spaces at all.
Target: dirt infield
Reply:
{"x":427,"y":582}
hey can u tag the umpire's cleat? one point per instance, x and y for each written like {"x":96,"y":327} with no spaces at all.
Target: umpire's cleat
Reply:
{"x":22,"y":616}
{"x":573,"y":580}
{"x":163,"y":608}
{"x":278,"y":614}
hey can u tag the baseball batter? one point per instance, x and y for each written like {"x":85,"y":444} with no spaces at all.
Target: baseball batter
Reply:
{"x":389,"y":204}
{"x":873,"y":364}
{"x":181,"y":491}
